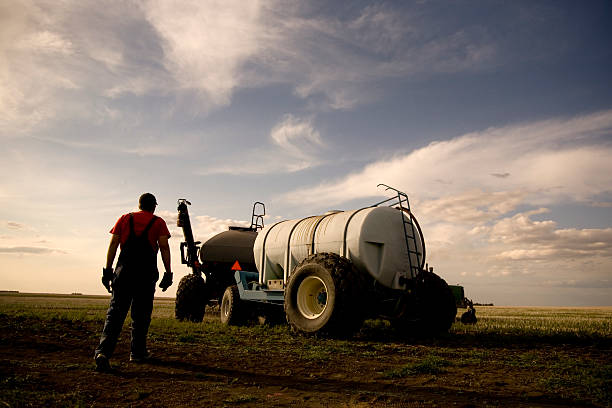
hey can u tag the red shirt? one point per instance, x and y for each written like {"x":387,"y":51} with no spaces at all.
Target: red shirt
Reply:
{"x":141,"y":219}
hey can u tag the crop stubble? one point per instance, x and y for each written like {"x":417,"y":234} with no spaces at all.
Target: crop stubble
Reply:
{"x":511,"y":357}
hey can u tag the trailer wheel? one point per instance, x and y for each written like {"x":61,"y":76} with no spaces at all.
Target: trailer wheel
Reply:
{"x":448,"y":306}
{"x":432,"y":311}
{"x":191,"y":298}
{"x":231,"y":307}
{"x":441,"y":309}
{"x":324,"y":296}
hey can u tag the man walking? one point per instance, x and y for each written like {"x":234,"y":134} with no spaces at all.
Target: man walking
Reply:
{"x":140,"y":235}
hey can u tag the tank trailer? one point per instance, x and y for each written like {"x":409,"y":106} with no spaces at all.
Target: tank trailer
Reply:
{"x":322,"y":274}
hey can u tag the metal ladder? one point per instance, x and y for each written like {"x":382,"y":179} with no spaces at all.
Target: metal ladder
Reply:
{"x":409,"y":230}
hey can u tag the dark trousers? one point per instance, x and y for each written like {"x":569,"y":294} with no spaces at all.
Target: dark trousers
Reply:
{"x":137,"y":294}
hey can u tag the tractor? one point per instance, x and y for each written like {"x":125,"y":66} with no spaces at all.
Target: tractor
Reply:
{"x":469,"y":316}
{"x":323,"y":274}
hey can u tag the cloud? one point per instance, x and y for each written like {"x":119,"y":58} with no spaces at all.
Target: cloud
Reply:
{"x":506,"y":250}
{"x":19,"y":228}
{"x":471,"y":207}
{"x":578,"y":283}
{"x":205,"y":44}
{"x":295,"y":136}
{"x":91,"y":54}
{"x":45,"y":42}
{"x":74,"y":52}
{"x":203,"y":226}
{"x":470,"y":220}
{"x":521,"y":229}
{"x":336,"y":62}
{"x":542,"y":240}
{"x":24,"y":250}
{"x":295,"y":145}
{"x":206,"y":226}
{"x":15,"y":225}
{"x":24,"y":89}
{"x":550,"y":161}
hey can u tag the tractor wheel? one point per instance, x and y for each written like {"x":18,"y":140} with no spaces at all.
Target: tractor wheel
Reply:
{"x":469,"y":317}
{"x":231,"y":307}
{"x":324,"y":296}
{"x":191,"y":299}
{"x":432,"y":311}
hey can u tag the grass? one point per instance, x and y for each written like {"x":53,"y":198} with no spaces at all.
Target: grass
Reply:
{"x":505,"y":340}
{"x":430,"y":364}
{"x":496,"y":325}
{"x":187,"y":338}
{"x":537,"y":322}
{"x":578,"y":377}
{"x":16,"y":391}
{"x":541,"y":322}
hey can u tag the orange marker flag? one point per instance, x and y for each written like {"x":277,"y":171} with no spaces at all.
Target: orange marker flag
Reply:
{"x":236,"y":266}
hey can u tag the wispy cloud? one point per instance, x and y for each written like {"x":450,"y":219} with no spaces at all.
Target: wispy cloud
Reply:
{"x":76,"y":52}
{"x":474,"y":206}
{"x":579,"y":283}
{"x":206,"y":43}
{"x":21,"y":239}
{"x":30,"y":250}
{"x":18,"y":228}
{"x":296,"y":136}
{"x":548,"y":160}
{"x":89,"y":54}
{"x":15,"y":225}
{"x":294,"y":145}
{"x":206,"y":226}
{"x":336,"y":62}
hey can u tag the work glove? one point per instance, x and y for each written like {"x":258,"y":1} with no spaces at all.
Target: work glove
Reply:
{"x":107,"y":278}
{"x":166,"y":281}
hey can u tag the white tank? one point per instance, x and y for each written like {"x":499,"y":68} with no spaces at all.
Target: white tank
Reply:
{"x":372,"y":238}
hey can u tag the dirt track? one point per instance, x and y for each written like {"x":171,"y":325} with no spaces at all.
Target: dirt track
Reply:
{"x":49,"y":363}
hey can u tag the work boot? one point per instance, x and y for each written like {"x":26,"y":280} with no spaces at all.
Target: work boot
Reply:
{"x":102,"y":363}
{"x":141,"y":358}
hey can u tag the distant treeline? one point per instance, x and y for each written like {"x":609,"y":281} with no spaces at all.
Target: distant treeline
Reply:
{"x":484,"y":304}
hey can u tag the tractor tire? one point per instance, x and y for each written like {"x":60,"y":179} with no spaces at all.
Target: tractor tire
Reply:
{"x":469,"y":317}
{"x":324,"y":295}
{"x":231,"y":312}
{"x":191,"y":299}
{"x":432,"y":311}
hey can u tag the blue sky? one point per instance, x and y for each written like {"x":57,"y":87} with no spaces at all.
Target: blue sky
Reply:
{"x":495,"y":118}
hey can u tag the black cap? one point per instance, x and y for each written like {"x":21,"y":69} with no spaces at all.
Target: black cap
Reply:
{"x":147,"y":202}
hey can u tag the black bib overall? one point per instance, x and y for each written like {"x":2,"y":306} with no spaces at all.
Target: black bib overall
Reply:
{"x":133,"y":285}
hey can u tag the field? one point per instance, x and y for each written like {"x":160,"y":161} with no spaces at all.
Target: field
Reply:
{"x":536,"y":357}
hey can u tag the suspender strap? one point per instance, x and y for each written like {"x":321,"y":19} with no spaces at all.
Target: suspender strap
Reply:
{"x":147,"y":228}
{"x":149,"y":225}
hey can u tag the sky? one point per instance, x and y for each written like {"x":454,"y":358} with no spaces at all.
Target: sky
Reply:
{"x":494,"y":117}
